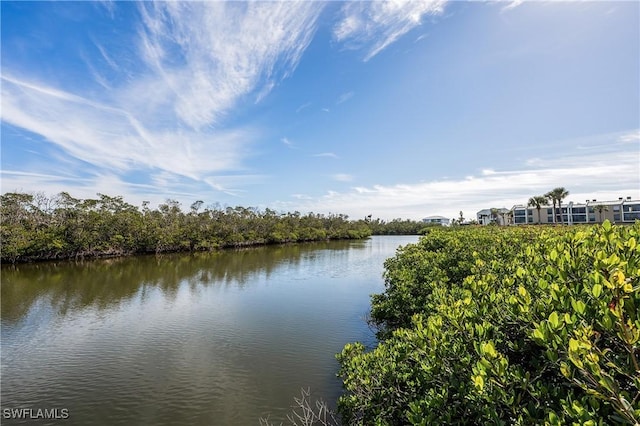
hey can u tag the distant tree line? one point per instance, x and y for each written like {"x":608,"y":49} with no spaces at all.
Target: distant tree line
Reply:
{"x":397,"y":226}
{"x":38,"y":227}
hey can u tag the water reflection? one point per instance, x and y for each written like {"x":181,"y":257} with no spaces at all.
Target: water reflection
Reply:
{"x":70,"y":286}
{"x":205,"y":339}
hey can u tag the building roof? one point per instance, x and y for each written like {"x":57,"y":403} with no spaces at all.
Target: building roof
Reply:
{"x":436,"y":217}
{"x":488,"y":211}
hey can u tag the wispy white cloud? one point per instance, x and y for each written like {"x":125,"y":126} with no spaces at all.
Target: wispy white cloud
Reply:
{"x":162,"y":185}
{"x":374,"y":25}
{"x":88,"y":186}
{"x":630,"y":137}
{"x":266,"y":89}
{"x":511,"y":4}
{"x":301,"y":197}
{"x":345,"y":97}
{"x":342,"y":177}
{"x":112,"y":137}
{"x":109,"y":6}
{"x":326,"y":154}
{"x":287,"y":142}
{"x":303,"y":106}
{"x":107,"y":58}
{"x":225,"y":50}
{"x":197,"y":60}
{"x":602,"y":176}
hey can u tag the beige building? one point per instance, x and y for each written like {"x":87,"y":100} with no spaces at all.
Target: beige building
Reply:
{"x":623,"y":210}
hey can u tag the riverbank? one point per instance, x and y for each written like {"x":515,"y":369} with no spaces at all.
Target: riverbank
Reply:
{"x":37,"y":228}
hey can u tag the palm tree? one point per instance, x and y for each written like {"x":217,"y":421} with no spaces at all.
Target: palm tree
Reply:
{"x":538,"y":201}
{"x":549,"y":196}
{"x":557,"y":194}
{"x":494,"y":215}
{"x":601,"y":208}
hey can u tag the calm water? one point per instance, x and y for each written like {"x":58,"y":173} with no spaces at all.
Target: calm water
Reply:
{"x":209,"y":339}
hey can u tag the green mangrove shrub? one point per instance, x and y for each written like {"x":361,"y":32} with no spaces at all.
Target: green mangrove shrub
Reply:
{"x":503,"y":326}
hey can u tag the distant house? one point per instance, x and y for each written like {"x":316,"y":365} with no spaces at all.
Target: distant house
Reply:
{"x":492,"y":215}
{"x":441,"y":220}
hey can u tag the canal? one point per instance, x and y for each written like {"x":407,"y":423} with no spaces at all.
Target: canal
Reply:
{"x":222,"y":338}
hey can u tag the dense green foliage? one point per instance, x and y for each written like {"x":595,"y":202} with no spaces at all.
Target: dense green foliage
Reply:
{"x":515,"y":325}
{"x":398,"y":227}
{"x":36,"y":227}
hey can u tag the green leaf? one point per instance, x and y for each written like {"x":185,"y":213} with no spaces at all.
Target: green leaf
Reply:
{"x":489,"y":349}
{"x":538,"y":335}
{"x":554,"y":320}
{"x":578,"y":306}
{"x":567,"y":319}
{"x":522,"y":291}
{"x":478,"y":382}
{"x":596,"y":290}
{"x":573,"y":345}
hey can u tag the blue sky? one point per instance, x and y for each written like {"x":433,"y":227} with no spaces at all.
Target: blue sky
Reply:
{"x":395,"y":109}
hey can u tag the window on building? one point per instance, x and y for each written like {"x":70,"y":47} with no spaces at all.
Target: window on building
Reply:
{"x":579,"y":218}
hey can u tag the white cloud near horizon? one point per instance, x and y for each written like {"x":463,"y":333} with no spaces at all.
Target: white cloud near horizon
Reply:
{"x":630,"y":137}
{"x":374,"y":25}
{"x":587,"y":175}
{"x":606,"y":175}
{"x":163,"y":185}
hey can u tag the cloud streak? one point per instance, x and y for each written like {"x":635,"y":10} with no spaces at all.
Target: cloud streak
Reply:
{"x":326,"y":155}
{"x":345,"y":97}
{"x":342,"y":177}
{"x":374,"y":25}
{"x":112,"y":137}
